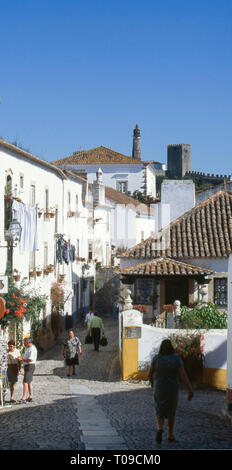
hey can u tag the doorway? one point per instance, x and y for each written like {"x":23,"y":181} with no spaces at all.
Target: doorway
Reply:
{"x":177,"y":289}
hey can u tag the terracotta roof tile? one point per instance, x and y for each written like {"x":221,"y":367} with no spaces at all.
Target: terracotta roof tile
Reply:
{"x":164,"y":267}
{"x":204,"y":231}
{"x":99,"y":155}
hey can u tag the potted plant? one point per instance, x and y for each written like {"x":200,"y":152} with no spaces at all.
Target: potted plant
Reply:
{"x":38,"y":271}
{"x":50,"y":268}
{"x":16,"y":275}
{"x":71,"y":214}
{"x":40,"y":212}
{"x":52,"y":213}
{"x":61,"y":277}
{"x":46,"y":215}
{"x":32,"y":274}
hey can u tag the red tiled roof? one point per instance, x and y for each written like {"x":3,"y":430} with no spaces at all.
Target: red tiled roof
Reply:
{"x":204,"y":231}
{"x":99,"y":155}
{"x":164,"y":267}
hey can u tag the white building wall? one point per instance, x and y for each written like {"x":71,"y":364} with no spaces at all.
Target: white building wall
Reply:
{"x":151,"y":181}
{"x":145,"y":227}
{"x":179,"y":196}
{"x":73,"y":228}
{"x":133,"y":173}
{"x":214,"y":342}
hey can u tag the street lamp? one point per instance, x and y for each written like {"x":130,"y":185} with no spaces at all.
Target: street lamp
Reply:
{"x":15,"y":230}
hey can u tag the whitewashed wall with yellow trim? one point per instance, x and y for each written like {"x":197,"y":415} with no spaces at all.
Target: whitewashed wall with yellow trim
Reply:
{"x":215,"y":353}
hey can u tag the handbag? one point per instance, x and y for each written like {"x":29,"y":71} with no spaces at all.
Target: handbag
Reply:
{"x":103,"y":341}
{"x":76,"y":359}
{"x":88,"y":339}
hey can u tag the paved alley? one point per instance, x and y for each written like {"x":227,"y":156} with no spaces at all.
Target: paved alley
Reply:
{"x":96,"y":410}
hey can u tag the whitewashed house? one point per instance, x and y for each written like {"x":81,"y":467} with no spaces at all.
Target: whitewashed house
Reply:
{"x":187,"y":260}
{"x":56,"y":202}
{"x":120,"y":172}
{"x":131,"y":220}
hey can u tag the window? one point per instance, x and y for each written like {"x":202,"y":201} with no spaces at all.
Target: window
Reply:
{"x":122,"y":186}
{"x":78,"y":249}
{"x":69,"y":201}
{"x":76,"y":207}
{"x":32,"y":261}
{"x":21,"y":182}
{"x":45,"y":254}
{"x":32,"y":194}
{"x":220,"y":291}
{"x":46,"y":200}
{"x":90,"y":250}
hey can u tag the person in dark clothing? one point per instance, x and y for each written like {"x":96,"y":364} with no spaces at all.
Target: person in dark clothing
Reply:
{"x":168,"y":368}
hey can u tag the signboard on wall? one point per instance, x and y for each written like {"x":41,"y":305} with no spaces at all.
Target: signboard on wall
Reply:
{"x":3,"y":284}
{"x":133,"y":332}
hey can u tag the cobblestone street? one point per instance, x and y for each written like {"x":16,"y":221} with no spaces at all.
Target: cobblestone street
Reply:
{"x":58,"y":416}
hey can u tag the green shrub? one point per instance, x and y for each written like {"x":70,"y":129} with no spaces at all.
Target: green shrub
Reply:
{"x":204,"y":317}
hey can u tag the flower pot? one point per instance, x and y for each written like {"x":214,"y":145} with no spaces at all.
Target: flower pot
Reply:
{"x":32,"y":275}
{"x":38,"y":273}
{"x":52,"y":215}
{"x":46,"y":215}
{"x":62,"y":276}
{"x":17,"y":277}
{"x":40,"y":213}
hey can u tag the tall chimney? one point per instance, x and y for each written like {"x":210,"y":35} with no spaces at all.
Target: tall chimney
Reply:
{"x":136,"y":152}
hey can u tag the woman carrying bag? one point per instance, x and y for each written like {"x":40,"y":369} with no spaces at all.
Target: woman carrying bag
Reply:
{"x":71,"y":348}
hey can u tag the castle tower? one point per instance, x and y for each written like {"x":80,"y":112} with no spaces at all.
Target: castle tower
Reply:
{"x":179,"y":160}
{"x":136,"y":151}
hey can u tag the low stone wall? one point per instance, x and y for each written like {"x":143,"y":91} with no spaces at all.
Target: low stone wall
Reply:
{"x":136,"y":352}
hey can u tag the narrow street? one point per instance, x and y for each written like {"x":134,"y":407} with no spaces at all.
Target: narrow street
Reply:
{"x":64,"y":409}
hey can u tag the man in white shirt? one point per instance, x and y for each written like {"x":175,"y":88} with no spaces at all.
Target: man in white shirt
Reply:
{"x":29,"y":361}
{"x":88,"y":318}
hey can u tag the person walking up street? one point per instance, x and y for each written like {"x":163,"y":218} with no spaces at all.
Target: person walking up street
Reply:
{"x":71,"y":347}
{"x":29,"y":361}
{"x":14,"y":365}
{"x":88,"y":318}
{"x":96,"y":327}
{"x":168,"y":368}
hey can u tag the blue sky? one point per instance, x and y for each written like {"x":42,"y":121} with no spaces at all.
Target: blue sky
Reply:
{"x":79,"y":74}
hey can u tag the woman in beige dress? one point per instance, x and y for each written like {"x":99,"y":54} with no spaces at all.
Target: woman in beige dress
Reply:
{"x":14,"y":364}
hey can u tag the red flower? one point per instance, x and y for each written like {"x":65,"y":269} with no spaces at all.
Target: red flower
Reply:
{"x":7,"y":311}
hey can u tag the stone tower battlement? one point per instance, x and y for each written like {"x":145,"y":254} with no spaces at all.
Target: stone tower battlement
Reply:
{"x":179,"y":160}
